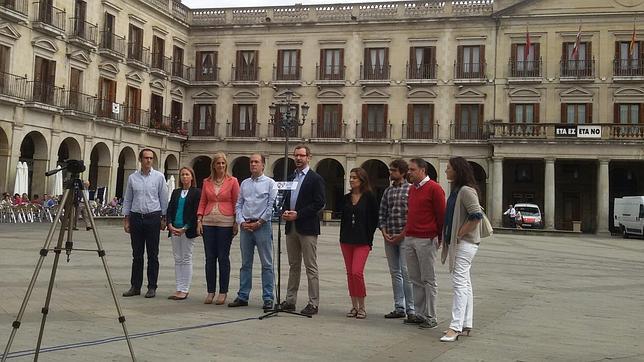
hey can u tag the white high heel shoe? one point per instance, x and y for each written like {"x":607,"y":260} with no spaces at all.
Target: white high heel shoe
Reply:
{"x":453,"y":338}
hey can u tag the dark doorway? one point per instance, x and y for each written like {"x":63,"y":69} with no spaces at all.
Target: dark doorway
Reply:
{"x":241,"y":168}
{"x":333,"y":174}
{"x":378,"y":173}
{"x":278,"y":169}
{"x":201,"y":166}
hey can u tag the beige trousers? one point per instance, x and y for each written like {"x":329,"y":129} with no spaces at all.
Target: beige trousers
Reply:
{"x":302,"y":247}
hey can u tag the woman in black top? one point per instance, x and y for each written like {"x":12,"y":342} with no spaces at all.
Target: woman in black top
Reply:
{"x":182,"y":229}
{"x":359,"y":222}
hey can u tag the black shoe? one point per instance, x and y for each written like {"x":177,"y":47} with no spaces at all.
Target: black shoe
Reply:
{"x":395,"y":314}
{"x":238,"y":303}
{"x":89,"y":228}
{"x":286,"y":306}
{"x":268,"y":305}
{"x":151,"y":293}
{"x":310,"y":309}
{"x":413,"y":319}
{"x":74,"y":228}
{"x":132,"y":292}
{"x":428,"y":324}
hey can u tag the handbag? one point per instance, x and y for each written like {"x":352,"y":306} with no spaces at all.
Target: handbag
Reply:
{"x":486,"y":226}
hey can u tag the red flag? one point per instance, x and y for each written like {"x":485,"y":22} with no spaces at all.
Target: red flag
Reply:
{"x":528,"y":44}
{"x":575,"y":50}
{"x":631,"y":46}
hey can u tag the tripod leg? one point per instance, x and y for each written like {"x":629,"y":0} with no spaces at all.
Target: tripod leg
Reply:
{"x":101,"y":254}
{"x":69,"y":214}
{"x":34,"y":277}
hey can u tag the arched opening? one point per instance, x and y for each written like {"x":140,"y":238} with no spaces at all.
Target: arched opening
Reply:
{"x":100,"y":166}
{"x":155,"y":161}
{"x":201,"y":166}
{"x":431,"y":172}
{"x":626,"y":179}
{"x":34,"y":152}
{"x":241,"y":168}
{"x":5,"y":152}
{"x":69,"y":149}
{"x":278,"y":169}
{"x":333,"y":174}
{"x":481,"y":178}
{"x":576,"y":194}
{"x":378,"y":173}
{"x":127,"y":165}
{"x":171,"y":166}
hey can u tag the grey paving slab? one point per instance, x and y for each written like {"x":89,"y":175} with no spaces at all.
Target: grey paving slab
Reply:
{"x":537,"y":298}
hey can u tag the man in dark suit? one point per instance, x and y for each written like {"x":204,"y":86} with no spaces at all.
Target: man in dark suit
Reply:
{"x":301,"y":213}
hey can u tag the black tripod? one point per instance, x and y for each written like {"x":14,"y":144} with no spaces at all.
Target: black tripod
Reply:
{"x":69,"y":203}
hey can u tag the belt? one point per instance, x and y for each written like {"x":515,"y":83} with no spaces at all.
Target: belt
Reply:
{"x":152,"y":214}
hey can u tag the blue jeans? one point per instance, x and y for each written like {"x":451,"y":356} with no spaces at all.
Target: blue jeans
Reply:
{"x":263,"y":239}
{"x":216,"y":244}
{"x":403,"y":294}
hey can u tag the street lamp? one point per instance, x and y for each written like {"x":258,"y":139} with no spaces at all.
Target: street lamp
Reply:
{"x":287,"y":121}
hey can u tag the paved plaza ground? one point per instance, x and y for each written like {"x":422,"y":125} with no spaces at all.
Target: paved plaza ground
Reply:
{"x":573,"y":297}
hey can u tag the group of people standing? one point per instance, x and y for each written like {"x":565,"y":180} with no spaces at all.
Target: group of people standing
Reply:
{"x":218,"y":211}
{"x":414,"y":216}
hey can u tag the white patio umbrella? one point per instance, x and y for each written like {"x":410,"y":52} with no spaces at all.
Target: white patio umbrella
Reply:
{"x":17,"y":188}
{"x":25,"y":177}
{"x":170,"y":184}
{"x":57,"y":187}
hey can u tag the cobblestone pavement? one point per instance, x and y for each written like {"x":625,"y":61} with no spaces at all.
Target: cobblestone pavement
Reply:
{"x":536,"y":298}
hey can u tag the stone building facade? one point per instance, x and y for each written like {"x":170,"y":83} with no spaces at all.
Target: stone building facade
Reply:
{"x":544,"y":99}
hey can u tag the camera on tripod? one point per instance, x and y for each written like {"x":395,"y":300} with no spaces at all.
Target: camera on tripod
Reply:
{"x":75,"y":167}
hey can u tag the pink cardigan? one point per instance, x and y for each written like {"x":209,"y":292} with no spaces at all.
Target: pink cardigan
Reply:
{"x":226,"y":198}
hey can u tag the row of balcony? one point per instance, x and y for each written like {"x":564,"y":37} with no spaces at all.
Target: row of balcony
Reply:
{"x":75,"y":103}
{"x":382,"y":132}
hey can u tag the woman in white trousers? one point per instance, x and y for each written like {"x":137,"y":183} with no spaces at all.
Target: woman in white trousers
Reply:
{"x":182,"y":227}
{"x":461,"y":235}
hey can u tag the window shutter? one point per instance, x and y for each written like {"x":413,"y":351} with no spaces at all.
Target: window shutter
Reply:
{"x":38,"y":69}
{"x":514,"y":55}
{"x":298,"y":60}
{"x":342,"y":62}
{"x":256,"y":61}
{"x":51,"y":72}
{"x":481,"y":115}
{"x":238,"y":61}
{"x":616,"y":118}
{"x":589,"y":51}
{"x":431,"y":115}
{"x":457,"y":120}
{"x":254,"y":120}
{"x":513,"y":113}
{"x":365,"y":114}
{"x":386,"y":64}
{"x":537,"y":52}
{"x":410,"y":116}
{"x":412,"y":57}
{"x":320,"y":115}
{"x":617,"y":53}
{"x":564,"y":114}
{"x":536,"y":113}
{"x":641,"y":109}
{"x":322,"y":64}
{"x":195,"y":117}
{"x":340,"y":118}
{"x":236,"y":120}
{"x":640,"y":45}
{"x":112,"y":95}
{"x":385,"y":110}
{"x":564,"y":51}
{"x":280,"y":63}
{"x":589,"y":113}
{"x":4,"y":55}
{"x":367,"y":59}
{"x":198,"y":60}
{"x":459,"y":55}
{"x":482,"y":56}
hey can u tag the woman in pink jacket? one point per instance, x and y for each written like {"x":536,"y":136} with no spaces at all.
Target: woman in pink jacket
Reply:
{"x":216,"y":222}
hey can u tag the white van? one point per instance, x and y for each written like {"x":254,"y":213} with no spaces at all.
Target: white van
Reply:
{"x":628,"y":215}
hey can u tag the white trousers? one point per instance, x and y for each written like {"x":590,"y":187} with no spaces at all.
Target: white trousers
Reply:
{"x":182,"y":249}
{"x":463,"y":300}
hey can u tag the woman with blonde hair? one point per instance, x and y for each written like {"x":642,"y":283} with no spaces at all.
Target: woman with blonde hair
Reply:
{"x":216,"y":222}
{"x":182,"y":227}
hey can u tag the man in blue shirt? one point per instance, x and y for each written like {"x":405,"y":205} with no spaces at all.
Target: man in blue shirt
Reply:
{"x":144,"y":205}
{"x":253,"y":212}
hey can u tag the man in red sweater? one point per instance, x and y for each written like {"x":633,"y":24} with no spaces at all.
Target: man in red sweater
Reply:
{"x":425,"y":217}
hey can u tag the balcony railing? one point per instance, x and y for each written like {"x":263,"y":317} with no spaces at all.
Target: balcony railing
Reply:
{"x":160,"y":122}
{"x":628,"y":67}
{"x":137,"y":116}
{"x":46,"y":93}
{"x":376,"y":131}
{"x":578,"y":69}
{"x":105,"y":109}
{"x":471,"y":70}
{"x":275,"y":131}
{"x":138,"y":52}
{"x":80,"y":102}
{"x":209,"y":128}
{"x":234,"y":129}
{"x":51,"y":15}
{"x":422,"y":71}
{"x":467,"y":132}
{"x":292,"y":72}
{"x":375,"y":72}
{"x":525,"y":68}
{"x":19,"y":6}
{"x":113,"y":42}
{"x":161,"y":62}
{"x":333,"y":130}
{"x":180,"y":70}
{"x":245,"y":74}
{"x":627,"y":131}
{"x":518,"y":130}
{"x":330,"y":72}
{"x":83,"y":29}
{"x":415,"y":131}
{"x":210,"y":74}
{"x":13,"y":85}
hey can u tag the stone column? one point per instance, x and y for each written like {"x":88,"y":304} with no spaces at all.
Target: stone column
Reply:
{"x":351,"y":163}
{"x":497,"y":191}
{"x":549,"y":194}
{"x":116,"y":152}
{"x":442,"y":165}
{"x":602,"y":197}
